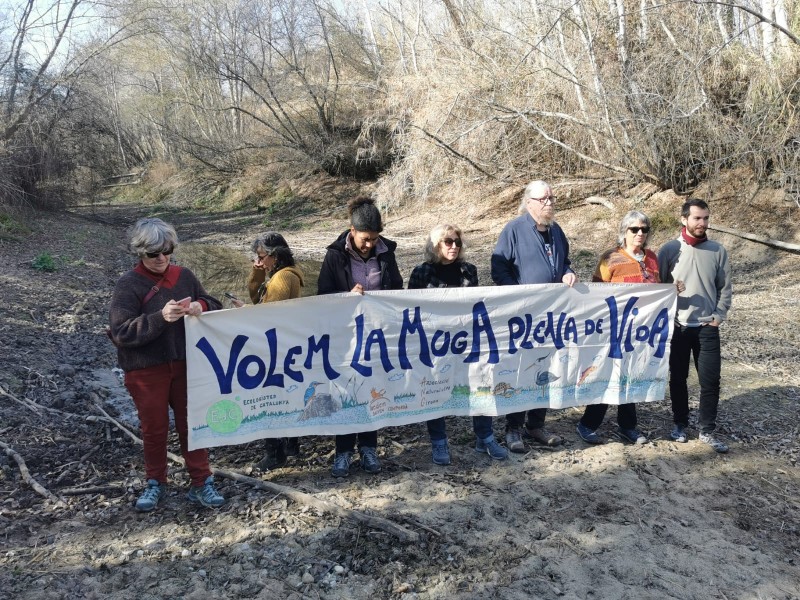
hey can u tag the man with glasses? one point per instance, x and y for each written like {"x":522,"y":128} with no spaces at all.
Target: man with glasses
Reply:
{"x":703,"y":266}
{"x":532,"y":249}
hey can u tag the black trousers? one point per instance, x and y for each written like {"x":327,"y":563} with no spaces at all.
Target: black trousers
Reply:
{"x":595,"y":413}
{"x":347,"y":442}
{"x":702,"y":344}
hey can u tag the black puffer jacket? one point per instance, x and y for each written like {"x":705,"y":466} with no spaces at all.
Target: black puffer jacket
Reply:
{"x":336,"y":275}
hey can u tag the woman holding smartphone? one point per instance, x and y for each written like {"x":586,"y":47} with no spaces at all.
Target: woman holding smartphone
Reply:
{"x":274,"y":277}
{"x":146,"y":324}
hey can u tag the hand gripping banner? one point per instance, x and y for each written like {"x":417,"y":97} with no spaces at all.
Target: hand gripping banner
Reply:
{"x":345,"y":363}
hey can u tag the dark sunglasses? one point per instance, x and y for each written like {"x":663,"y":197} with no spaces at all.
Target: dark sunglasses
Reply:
{"x":166,"y":252}
{"x":450,"y":242}
{"x":638,"y":229}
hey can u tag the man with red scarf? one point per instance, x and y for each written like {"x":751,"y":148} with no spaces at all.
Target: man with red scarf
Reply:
{"x":702,"y":264}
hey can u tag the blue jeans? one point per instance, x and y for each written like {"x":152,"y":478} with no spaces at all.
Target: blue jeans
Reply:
{"x":702,"y":344}
{"x":481,"y":425}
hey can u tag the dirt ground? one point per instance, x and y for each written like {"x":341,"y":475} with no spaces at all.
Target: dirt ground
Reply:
{"x":662,"y":520}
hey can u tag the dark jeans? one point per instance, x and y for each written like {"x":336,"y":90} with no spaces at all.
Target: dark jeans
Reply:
{"x":346,"y":443}
{"x":702,"y":344}
{"x":481,"y":425}
{"x":594,"y":414}
{"x":535,"y":419}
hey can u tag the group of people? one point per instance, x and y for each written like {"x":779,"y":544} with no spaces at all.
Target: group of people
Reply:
{"x":151,"y":300}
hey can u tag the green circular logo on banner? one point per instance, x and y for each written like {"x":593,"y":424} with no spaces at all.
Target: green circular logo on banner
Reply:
{"x":224,"y":416}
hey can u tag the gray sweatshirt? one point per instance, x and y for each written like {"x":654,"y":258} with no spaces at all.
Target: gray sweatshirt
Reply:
{"x":705,"y":270}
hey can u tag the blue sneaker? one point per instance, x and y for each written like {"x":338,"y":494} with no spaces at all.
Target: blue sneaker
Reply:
{"x":587,"y":435}
{"x":341,"y":464}
{"x":491,"y":447}
{"x":369,"y":459}
{"x":440,"y":452}
{"x":634,"y":436}
{"x":206,"y":494}
{"x":151,"y":496}
{"x":678,"y":434}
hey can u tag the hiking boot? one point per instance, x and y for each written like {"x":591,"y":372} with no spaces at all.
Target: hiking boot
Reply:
{"x":491,"y":447}
{"x":275,"y":456}
{"x":514,"y":440}
{"x":587,"y":435}
{"x":542,"y":436}
{"x":206,"y":494}
{"x":369,"y":459}
{"x":440,"y":452}
{"x":678,"y":434}
{"x":292,"y":446}
{"x":341,"y":464}
{"x":634,"y":436}
{"x":151,"y":496}
{"x":717,"y":445}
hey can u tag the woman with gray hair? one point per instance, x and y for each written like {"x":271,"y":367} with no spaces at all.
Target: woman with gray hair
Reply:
{"x":360,"y":260}
{"x":629,"y":262}
{"x":146,"y":324}
{"x":274,"y":277}
{"x":444,"y":267}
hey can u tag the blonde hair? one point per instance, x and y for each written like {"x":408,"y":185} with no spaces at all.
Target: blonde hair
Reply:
{"x":438,"y":233}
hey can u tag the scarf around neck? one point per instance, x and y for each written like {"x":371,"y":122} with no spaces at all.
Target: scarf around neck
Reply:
{"x":692,"y":241}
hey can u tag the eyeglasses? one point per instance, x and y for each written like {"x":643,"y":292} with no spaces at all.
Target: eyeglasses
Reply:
{"x":449,"y":242}
{"x":166,"y":252}
{"x":638,"y":229}
{"x":544,"y":201}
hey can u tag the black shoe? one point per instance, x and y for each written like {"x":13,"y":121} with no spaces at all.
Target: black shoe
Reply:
{"x":275,"y":456}
{"x":292,"y":446}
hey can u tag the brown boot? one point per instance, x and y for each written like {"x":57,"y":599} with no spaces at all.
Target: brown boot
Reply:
{"x":542,"y":436}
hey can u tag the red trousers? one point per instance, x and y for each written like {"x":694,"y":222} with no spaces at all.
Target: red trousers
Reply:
{"x":154,"y":389}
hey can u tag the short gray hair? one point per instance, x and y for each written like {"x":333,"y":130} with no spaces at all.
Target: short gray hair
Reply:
{"x":528,"y":193}
{"x":632,"y":219}
{"x":151,"y":235}
{"x":438,"y":233}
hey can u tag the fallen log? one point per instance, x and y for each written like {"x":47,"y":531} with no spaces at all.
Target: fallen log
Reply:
{"x":401,"y":533}
{"x":757,"y":238}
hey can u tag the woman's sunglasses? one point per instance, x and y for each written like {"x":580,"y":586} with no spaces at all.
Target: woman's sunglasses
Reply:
{"x":449,"y":242}
{"x":166,"y":252}
{"x":638,"y":229}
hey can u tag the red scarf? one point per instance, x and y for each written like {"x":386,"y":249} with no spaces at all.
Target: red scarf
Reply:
{"x":170,"y":276}
{"x":692,"y":241}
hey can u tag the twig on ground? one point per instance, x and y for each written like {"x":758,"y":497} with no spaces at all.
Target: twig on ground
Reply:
{"x":97,"y":489}
{"x":300,"y":497}
{"x":26,"y":475}
{"x":32,"y":406}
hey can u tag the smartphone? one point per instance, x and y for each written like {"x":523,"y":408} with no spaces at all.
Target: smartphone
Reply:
{"x":230,"y":296}
{"x":185,"y":302}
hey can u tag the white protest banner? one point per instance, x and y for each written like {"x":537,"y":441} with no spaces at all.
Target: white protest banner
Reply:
{"x":345,"y":363}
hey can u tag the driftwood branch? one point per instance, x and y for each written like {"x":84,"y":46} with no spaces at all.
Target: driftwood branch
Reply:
{"x":26,"y":475}
{"x":600,"y":200}
{"x":394,"y":529}
{"x":758,"y":238}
